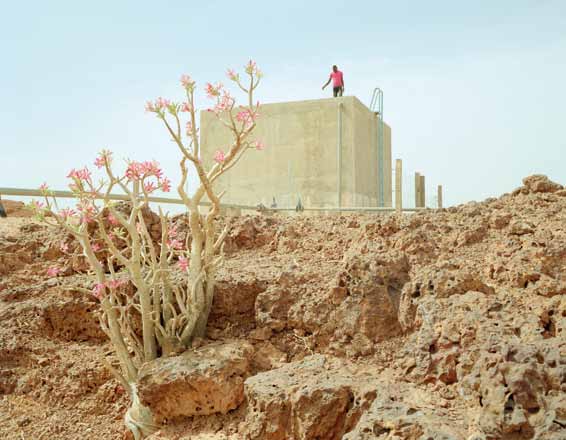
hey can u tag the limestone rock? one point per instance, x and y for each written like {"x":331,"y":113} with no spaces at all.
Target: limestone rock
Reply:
{"x":305,"y":400}
{"x":200,"y":382}
{"x":391,"y":419}
{"x":539,"y":183}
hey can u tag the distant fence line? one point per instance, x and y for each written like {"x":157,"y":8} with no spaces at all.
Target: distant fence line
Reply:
{"x":166,"y":200}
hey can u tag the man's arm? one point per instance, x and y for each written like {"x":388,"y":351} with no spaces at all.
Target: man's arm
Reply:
{"x":327,"y":82}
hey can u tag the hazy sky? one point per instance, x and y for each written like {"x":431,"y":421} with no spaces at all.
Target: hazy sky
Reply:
{"x":474,"y":91}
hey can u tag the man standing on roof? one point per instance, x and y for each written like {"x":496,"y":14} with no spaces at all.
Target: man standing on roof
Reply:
{"x":337,"y":79}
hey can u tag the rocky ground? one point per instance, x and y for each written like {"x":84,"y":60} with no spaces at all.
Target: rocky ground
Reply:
{"x":439,"y":325}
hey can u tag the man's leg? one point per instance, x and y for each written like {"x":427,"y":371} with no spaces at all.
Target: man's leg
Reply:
{"x":335,"y":91}
{"x":341,"y":91}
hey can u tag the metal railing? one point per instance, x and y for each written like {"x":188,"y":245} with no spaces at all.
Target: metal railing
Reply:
{"x":376,"y":105}
{"x":23,"y":192}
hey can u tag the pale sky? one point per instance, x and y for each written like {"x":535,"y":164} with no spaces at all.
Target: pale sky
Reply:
{"x":474,"y":91}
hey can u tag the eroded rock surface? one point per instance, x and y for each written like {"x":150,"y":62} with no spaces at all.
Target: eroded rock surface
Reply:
{"x":204,"y":381}
{"x":439,"y":325}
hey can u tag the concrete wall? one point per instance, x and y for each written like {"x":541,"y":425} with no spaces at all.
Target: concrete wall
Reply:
{"x":301,"y":155}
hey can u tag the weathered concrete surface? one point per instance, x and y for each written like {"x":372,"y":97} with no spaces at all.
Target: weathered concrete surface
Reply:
{"x":301,"y":155}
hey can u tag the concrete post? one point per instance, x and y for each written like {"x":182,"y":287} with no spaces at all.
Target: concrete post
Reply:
{"x":417,"y":190}
{"x":422,"y":191}
{"x":439,"y":196}
{"x":399,"y":185}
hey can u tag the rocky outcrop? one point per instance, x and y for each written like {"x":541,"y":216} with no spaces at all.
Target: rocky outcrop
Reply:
{"x":445,"y":324}
{"x":539,"y":183}
{"x":204,"y":381}
{"x":309,"y":399}
{"x":390,"y":418}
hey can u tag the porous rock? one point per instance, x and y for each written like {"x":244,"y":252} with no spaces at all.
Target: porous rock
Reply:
{"x":199,"y":382}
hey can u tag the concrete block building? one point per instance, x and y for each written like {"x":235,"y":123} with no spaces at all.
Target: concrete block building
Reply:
{"x":323,"y":152}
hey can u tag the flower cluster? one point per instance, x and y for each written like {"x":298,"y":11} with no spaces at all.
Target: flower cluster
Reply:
{"x":143,"y":170}
{"x":98,"y":289}
{"x":158,"y":105}
{"x":224,"y":102}
{"x":82,"y":175}
{"x":247,"y":117}
{"x":66,"y":213}
{"x":187,"y":82}
{"x":252,"y":69}
{"x":139,"y":171}
{"x":214,"y":90}
{"x":231,"y":74}
{"x":104,"y":159}
{"x":173,"y":240}
{"x":184,"y":263}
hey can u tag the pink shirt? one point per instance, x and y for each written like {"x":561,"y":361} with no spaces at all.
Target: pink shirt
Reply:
{"x":337,"y":79}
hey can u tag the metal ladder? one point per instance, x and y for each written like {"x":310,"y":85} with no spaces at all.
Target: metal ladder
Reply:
{"x":376,"y":106}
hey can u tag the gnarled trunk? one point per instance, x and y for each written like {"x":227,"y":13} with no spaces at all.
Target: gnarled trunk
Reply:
{"x":138,"y":419}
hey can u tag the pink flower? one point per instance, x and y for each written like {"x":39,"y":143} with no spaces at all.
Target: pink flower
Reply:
{"x":224,"y":103}
{"x":187,"y":82}
{"x":161,"y":103}
{"x":183,"y":263}
{"x":83,"y":174}
{"x":165,"y":185}
{"x":43,"y":187}
{"x":247,"y":117}
{"x":149,"y":187}
{"x":232,"y":75}
{"x":259,"y":145}
{"x":149,"y":106}
{"x":139,"y":170}
{"x":64,"y":247}
{"x":151,"y":168}
{"x":37,"y":205}
{"x":134,"y":171}
{"x":219,"y":156}
{"x":96,"y":247}
{"x":53,"y":271}
{"x":113,"y":220}
{"x":98,"y":290}
{"x":103,"y":159}
{"x":212,"y":91}
{"x":251,"y":67}
{"x":175,"y":244}
{"x":185,"y":107}
{"x":66,"y":213}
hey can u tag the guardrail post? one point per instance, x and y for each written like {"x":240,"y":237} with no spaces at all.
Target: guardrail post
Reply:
{"x":417,"y":190}
{"x":439,"y":196}
{"x":422,"y":191}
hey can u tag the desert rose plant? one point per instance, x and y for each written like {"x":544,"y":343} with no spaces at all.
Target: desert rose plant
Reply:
{"x":120,"y":249}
